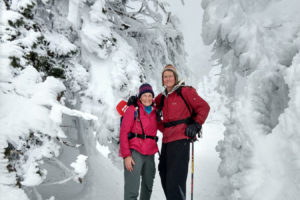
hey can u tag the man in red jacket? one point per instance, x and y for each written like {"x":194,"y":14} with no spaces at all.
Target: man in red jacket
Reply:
{"x":182,"y":112}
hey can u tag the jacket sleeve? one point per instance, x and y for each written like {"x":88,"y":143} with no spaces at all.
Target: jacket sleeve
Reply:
{"x":199,"y":105}
{"x":157,"y":100}
{"x":127,"y":124}
{"x":160,"y":124}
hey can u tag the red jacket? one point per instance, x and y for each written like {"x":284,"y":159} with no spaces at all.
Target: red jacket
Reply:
{"x":175,"y":109}
{"x":144,"y":146}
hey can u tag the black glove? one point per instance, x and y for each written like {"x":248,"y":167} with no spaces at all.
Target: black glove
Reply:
{"x":132,"y":101}
{"x":192,"y":130}
{"x":158,"y":115}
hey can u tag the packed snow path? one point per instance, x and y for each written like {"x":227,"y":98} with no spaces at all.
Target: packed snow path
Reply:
{"x":207,"y":183}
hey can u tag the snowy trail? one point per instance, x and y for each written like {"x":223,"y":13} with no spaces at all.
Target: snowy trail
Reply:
{"x":207,"y":183}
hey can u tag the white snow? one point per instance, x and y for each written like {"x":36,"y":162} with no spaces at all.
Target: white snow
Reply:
{"x":21,"y":4}
{"x":73,"y":12}
{"x":256,"y":46}
{"x":30,"y":38}
{"x":96,"y":12}
{"x":6,"y":73}
{"x":12,"y":193}
{"x":104,"y":150}
{"x":92,"y":36}
{"x":80,"y":167}
{"x":59,"y":43}
{"x":7,"y":15}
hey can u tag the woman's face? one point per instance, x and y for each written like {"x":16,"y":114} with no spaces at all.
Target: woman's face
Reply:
{"x":169,"y":79}
{"x":147,"y":99}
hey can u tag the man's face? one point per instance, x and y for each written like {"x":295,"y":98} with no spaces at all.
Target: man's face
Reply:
{"x":168,"y":79}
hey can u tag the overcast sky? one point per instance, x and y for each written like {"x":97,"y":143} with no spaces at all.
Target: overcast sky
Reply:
{"x":190,"y":15}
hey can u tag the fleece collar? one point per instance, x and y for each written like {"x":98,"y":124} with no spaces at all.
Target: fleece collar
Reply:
{"x":179,"y":84}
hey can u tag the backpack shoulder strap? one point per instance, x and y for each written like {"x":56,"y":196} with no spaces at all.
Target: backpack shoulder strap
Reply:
{"x":138,"y":114}
{"x":162,"y":100}
{"x":180,"y":94}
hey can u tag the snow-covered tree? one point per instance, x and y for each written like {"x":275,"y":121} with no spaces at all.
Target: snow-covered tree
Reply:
{"x":35,"y":61}
{"x":152,"y":31}
{"x":61,"y":60}
{"x":257,"y":45}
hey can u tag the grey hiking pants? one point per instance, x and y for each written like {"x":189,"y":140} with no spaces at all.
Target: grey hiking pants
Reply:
{"x":145,"y":168}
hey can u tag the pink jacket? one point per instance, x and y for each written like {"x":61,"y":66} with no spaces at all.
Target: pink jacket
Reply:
{"x":144,"y":146}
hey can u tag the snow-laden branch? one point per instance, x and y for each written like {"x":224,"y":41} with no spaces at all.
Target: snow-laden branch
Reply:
{"x":80,"y":169}
{"x":70,"y":173}
{"x":57,"y":110}
{"x":63,"y":181}
{"x":47,"y":94}
{"x":63,"y":166}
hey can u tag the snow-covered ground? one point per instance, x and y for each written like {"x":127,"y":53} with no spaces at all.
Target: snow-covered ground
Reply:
{"x":207,"y":182}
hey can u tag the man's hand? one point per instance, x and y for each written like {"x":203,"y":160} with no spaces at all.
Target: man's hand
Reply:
{"x":132,"y":101}
{"x":129,"y":162}
{"x":192,"y":130}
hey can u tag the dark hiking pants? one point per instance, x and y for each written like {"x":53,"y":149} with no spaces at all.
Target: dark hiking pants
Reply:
{"x":144,"y":168}
{"x":173,"y":168}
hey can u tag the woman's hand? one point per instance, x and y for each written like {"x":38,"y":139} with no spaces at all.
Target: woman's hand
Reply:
{"x":129,"y":163}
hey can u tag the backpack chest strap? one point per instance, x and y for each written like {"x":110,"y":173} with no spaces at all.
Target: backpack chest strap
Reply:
{"x":135,"y":135}
{"x":188,"y":120}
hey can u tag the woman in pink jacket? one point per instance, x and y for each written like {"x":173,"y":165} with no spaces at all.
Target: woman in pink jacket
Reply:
{"x":138,"y":145}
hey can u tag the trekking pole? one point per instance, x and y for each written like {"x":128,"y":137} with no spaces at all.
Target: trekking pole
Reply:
{"x":192,"y":174}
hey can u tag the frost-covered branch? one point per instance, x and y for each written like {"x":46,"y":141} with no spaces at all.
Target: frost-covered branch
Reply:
{"x":63,"y":181}
{"x":139,"y":11}
{"x":80,"y":169}
{"x":63,"y":166}
{"x":57,"y":110}
{"x":68,"y":143}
